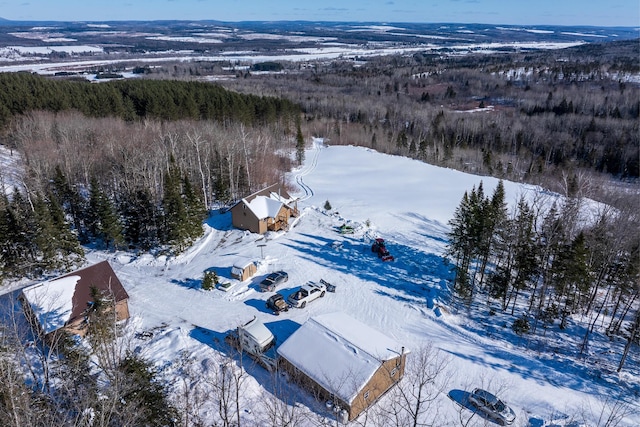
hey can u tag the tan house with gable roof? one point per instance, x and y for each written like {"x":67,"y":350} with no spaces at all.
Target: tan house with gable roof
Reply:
{"x":344,"y":361}
{"x":266,"y":210}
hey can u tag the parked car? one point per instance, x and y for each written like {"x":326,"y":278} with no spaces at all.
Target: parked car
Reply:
{"x":276,"y":303}
{"x":307,"y":293}
{"x":492,"y":407}
{"x":273,"y":280}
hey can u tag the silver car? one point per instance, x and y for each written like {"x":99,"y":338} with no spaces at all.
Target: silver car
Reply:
{"x":492,"y":407}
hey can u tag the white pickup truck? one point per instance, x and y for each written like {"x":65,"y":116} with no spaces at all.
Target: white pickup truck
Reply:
{"x":307,"y":293}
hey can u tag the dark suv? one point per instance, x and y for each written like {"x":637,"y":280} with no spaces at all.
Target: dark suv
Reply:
{"x":273,"y":280}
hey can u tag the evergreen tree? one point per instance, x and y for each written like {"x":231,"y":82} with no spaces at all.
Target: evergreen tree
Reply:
{"x":196,"y":211}
{"x":183,"y":209}
{"x":144,"y":394}
{"x":64,"y":195}
{"x":524,"y":255}
{"x":44,"y":237}
{"x":571,"y":274}
{"x":549,"y":240}
{"x":103,"y":219}
{"x":221,"y":186}
{"x":299,"y":143}
{"x":174,"y":211}
{"x":18,"y":247}
{"x":460,"y":247}
{"x":140,"y":218}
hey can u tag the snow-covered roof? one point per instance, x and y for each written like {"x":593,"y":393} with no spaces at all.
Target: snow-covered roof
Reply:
{"x":58,"y":301}
{"x":339,"y":353}
{"x":264,"y":207}
{"x":258,"y":331}
{"x":281,"y":197}
{"x":52,"y":301}
{"x":242,"y":263}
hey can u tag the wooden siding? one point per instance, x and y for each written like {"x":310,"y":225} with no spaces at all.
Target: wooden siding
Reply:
{"x":244,"y":219}
{"x":382,"y":381}
{"x":387,"y":376}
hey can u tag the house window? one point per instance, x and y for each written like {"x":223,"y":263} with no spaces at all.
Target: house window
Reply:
{"x":394,"y":371}
{"x":366,"y":395}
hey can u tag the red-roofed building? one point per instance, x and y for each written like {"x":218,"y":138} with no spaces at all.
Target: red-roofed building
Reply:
{"x":64,"y":302}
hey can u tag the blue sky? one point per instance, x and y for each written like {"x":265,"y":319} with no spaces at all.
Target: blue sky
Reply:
{"x":517,"y":12}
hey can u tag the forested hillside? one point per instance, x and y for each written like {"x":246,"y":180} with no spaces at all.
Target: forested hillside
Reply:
{"x":136,"y":99}
{"x":129,"y":163}
{"x":538,"y":117}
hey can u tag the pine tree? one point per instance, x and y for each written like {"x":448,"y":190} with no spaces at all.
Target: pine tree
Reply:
{"x":196,"y":211}
{"x":494,"y":213}
{"x":45,"y":237}
{"x":549,"y":240}
{"x":174,"y":211}
{"x":524,"y":248}
{"x":140,"y":218}
{"x":299,"y":143}
{"x":460,"y":247}
{"x":64,"y":195}
{"x":221,"y":186}
{"x":18,"y":246}
{"x":68,"y":244}
{"x":571,"y":274}
{"x":103,"y":219}
{"x":183,"y":209}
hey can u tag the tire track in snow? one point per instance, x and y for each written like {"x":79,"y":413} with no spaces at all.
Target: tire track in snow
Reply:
{"x":308,"y":168}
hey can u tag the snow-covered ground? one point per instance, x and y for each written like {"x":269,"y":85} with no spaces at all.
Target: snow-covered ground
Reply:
{"x":404,"y":201}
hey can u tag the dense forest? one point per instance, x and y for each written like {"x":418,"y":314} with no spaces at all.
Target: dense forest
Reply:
{"x":526,"y":116}
{"x":136,"y":99}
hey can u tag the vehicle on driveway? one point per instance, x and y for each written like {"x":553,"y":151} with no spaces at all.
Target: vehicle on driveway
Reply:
{"x":307,"y":293}
{"x":492,"y":407}
{"x":273,"y":280}
{"x":257,"y":341}
{"x":346,"y":229}
{"x":380,"y":248}
{"x":276,"y":303}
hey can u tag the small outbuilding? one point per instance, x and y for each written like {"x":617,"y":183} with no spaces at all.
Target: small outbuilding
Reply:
{"x":344,"y":361}
{"x":63,"y":303}
{"x":243,"y":269}
{"x":266,"y":210}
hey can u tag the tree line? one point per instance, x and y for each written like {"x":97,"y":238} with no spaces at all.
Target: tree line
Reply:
{"x":142,"y":184}
{"x":136,"y":99}
{"x":555,"y":111}
{"x":544,"y":263}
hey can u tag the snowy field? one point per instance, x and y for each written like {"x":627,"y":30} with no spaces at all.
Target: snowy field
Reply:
{"x":404,"y":201}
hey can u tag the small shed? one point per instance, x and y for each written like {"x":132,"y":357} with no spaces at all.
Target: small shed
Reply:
{"x":343,"y":360}
{"x":243,"y":269}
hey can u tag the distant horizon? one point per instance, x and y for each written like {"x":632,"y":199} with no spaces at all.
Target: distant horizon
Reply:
{"x":569,"y":13}
{"x":2,"y":19}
